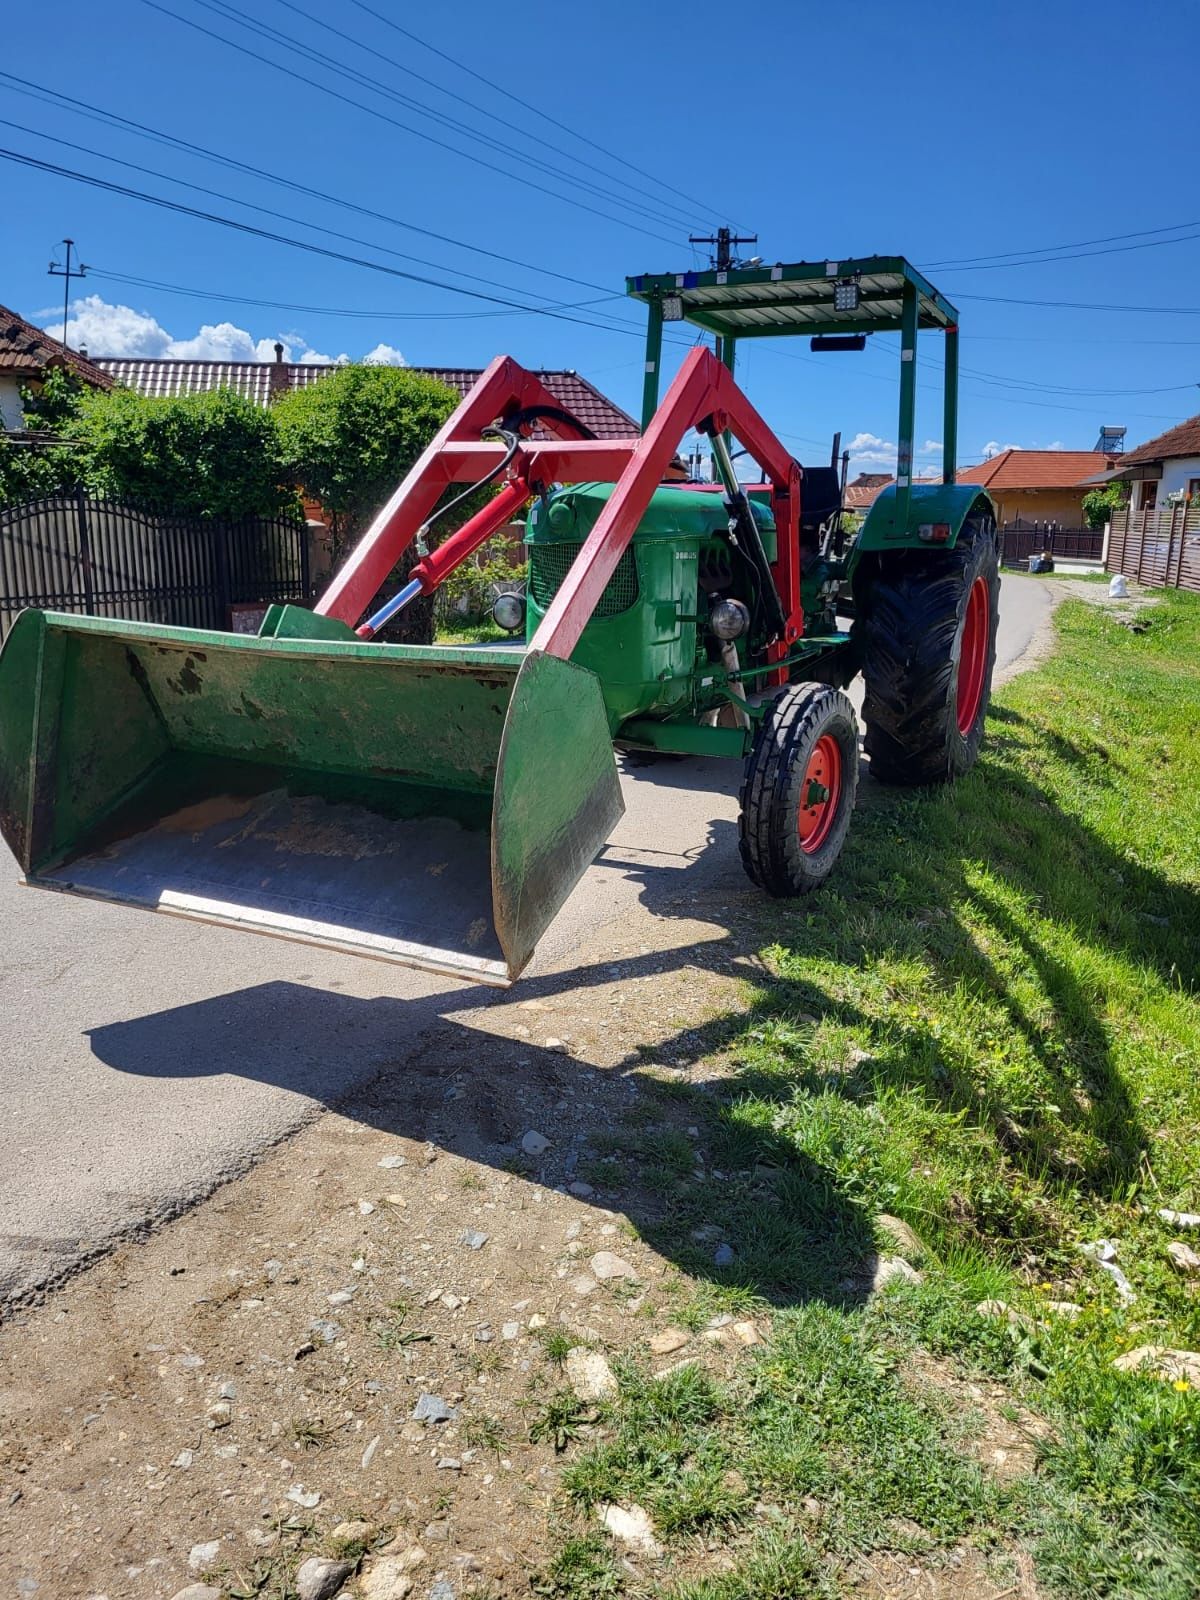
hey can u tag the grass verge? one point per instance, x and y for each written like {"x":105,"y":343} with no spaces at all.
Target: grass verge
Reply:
{"x":987,"y":1026}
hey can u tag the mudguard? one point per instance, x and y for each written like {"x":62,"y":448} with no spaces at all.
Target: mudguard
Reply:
{"x":928,"y":503}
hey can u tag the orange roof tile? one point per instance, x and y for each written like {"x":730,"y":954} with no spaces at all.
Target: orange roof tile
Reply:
{"x":1037,"y":469}
{"x":1182,"y":440}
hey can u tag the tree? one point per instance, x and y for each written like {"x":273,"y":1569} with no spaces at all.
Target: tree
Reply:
{"x":1099,"y":504}
{"x":349,"y":439}
{"x":32,"y":465}
{"x":214,"y":454}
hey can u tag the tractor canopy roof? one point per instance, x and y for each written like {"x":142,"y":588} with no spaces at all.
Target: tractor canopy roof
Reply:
{"x":863,"y":295}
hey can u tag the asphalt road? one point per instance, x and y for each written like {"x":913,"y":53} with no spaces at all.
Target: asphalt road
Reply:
{"x":146,"y":1059}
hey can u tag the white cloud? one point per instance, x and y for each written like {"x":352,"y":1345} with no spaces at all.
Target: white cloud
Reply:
{"x":384,"y":355}
{"x":104,"y":329}
{"x":868,"y":449}
{"x":994,"y":448}
{"x":108,"y":330}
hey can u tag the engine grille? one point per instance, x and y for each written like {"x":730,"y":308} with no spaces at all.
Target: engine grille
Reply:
{"x":550,"y":563}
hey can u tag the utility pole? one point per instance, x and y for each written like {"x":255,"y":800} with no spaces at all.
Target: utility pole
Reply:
{"x":724,"y":242}
{"x":68,"y":272}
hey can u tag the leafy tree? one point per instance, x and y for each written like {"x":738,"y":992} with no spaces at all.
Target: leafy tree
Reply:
{"x":35,"y":470}
{"x":349,"y":439}
{"x":214,"y":454}
{"x":1099,"y":504}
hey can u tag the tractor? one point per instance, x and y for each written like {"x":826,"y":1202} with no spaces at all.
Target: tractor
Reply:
{"x":435,"y":806}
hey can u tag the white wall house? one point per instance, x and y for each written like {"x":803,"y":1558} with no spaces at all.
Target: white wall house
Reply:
{"x":27,"y":353}
{"x":1164,"y":470}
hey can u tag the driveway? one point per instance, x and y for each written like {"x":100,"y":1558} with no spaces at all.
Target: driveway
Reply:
{"x":147,"y":1059}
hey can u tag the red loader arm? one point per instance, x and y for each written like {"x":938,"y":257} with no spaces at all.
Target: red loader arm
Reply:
{"x":703,"y":389}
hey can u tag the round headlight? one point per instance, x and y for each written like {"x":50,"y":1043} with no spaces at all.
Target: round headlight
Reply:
{"x":729,"y":619}
{"x":508,"y":612}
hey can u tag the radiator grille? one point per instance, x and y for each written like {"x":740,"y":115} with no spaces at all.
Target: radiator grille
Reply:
{"x":550,"y":563}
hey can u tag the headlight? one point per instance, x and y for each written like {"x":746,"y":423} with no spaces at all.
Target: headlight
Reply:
{"x":508,"y":612}
{"x":729,"y":619}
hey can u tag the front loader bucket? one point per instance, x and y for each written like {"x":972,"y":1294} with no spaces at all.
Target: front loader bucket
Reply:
{"x":429,"y":806}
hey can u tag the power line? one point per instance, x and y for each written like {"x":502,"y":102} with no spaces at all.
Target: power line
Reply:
{"x":281,"y":216}
{"x":1076,"y":244}
{"x":105,"y":275}
{"x":517,"y":100}
{"x":307,"y":246}
{"x":1078,"y":255}
{"x":93,"y":113}
{"x":1082,"y":305}
{"x":230,"y":13}
{"x":382,"y":116}
{"x":475,"y":106}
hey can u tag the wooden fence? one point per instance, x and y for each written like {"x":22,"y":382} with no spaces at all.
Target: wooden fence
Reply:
{"x":1158,"y":546}
{"x":1019,"y":540}
{"x":73,"y":553}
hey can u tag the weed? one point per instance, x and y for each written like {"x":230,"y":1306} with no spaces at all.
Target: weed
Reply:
{"x":583,"y":1569}
{"x":310,"y":1433}
{"x":556,"y":1341}
{"x":485,"y":1433}
{"x":394,"y":1335}
{"x":560,"y":1420}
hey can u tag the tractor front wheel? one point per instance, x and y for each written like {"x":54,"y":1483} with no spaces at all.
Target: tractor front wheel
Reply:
{"x":927,"y":625}
{"x":798,"y":791}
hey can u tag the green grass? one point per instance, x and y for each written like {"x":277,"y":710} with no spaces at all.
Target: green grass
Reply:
{"x":988,"y":1025}
{"x":470,"y":630}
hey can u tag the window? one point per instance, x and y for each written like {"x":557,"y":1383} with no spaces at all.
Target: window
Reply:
{"x":1193,"y":490}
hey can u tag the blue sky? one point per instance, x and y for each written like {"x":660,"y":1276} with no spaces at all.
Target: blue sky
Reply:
{"x":952,"y":132}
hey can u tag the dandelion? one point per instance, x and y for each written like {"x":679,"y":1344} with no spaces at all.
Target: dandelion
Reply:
{"x":1181,"y":1386}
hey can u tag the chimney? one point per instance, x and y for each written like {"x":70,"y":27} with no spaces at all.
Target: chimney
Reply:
{"x":83,"y":351}
{"x":277,"y":376}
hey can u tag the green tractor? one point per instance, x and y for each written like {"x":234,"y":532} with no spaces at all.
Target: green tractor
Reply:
{"x":435,"y":806}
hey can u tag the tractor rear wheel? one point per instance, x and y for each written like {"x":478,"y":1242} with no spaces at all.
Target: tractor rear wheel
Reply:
{"x":798,"y":791}
{"x":927,"y":625}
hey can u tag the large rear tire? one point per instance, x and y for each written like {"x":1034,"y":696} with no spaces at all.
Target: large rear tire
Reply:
{"x":927,"y":624}
{"x":798,"y":791}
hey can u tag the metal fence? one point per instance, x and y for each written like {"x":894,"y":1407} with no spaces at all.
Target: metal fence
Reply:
{"x":73,"y":553}
{"x":1159,"y":546}
{"x":1019,"y":540}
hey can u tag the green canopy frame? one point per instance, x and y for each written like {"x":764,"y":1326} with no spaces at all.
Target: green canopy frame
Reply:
{"x":869,"y":294}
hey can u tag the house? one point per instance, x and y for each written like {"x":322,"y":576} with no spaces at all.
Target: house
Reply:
{"x":27,"y":354}
{"x":266,"y":381}
{"x":863,"y":491}
{"x":1164,"y":470}
{"x":1040,"y":485}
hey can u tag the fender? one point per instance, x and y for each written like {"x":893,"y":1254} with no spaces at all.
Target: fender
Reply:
{"x":928,"y":503}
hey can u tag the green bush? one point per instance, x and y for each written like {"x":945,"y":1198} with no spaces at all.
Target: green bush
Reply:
{"x":215,"y":454}
{"x":1099,"y":504}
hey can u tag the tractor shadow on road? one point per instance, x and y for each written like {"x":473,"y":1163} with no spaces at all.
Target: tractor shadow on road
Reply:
{"x":691,"y":1132}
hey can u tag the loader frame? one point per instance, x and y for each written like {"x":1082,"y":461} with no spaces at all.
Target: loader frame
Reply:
{"x":703,"y":393}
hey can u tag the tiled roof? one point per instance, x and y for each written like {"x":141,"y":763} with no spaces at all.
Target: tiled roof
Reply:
{"x":1037,"y":469}
{"x":862,"y":493}
{"x":1183,"y":440}
{"x":261,"y":381}
{"x":29,"y":350}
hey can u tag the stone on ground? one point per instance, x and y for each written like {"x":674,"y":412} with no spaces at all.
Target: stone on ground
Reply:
{"x":589,"y":1374}
{"x":632,"y":1526}
{"x":319,"y":1579}
{"x":606,"y":1265}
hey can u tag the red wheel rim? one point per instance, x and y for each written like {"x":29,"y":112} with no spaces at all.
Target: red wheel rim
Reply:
{"x":973,"y":654}
{"x":820,"y":792}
